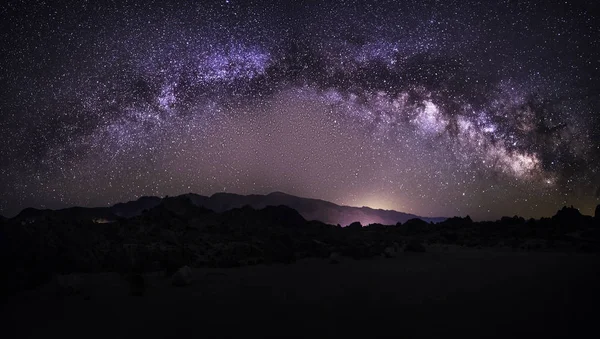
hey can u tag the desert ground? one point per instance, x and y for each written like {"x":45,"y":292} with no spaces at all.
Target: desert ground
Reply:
{"x":475,"y":293}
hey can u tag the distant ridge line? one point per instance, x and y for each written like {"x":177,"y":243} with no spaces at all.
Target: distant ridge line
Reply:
{"x":310,"y":208}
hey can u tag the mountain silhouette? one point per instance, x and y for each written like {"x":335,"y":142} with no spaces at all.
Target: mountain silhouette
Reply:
{"x":310,"y":209}
{"x":71,"y":213}
{"x":133,"y":208}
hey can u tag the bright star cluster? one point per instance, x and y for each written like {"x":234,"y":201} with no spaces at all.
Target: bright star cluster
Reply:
{"x":437,"y":108}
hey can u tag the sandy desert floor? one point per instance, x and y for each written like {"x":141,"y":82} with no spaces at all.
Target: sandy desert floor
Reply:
{"x":483,"y":294}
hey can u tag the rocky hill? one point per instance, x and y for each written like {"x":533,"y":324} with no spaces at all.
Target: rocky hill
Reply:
{"x":178,"y":232}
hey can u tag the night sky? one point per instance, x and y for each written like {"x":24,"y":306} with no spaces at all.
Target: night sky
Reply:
{"x":437,"y":108}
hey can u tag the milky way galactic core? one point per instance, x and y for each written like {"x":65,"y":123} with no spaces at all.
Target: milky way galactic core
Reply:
{"x":437,"y":108}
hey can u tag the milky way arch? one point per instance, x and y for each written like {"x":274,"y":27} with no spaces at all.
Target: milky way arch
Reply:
{"x":435,"y":108}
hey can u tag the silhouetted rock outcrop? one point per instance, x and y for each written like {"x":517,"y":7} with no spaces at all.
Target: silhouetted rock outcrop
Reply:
{"x":455,"y":222}
{"x":597,"y":213}
{"x":415,"y":226}
{"x":568,"y":218}
{"x":355,"y":225}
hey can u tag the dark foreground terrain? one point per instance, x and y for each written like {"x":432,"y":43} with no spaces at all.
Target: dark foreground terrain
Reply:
{"x":444,"y":292}
{"x":181,"y":269}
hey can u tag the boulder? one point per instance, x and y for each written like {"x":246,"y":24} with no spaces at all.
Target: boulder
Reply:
{"x":335,"y":258}
{"x":182,"y":277}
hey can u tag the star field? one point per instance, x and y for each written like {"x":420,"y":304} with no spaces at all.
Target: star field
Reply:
{"x":437,"y":108}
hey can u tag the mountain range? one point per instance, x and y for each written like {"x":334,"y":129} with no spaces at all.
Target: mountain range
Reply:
{"x":155,"y":234}
{"x":311,"y":209}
